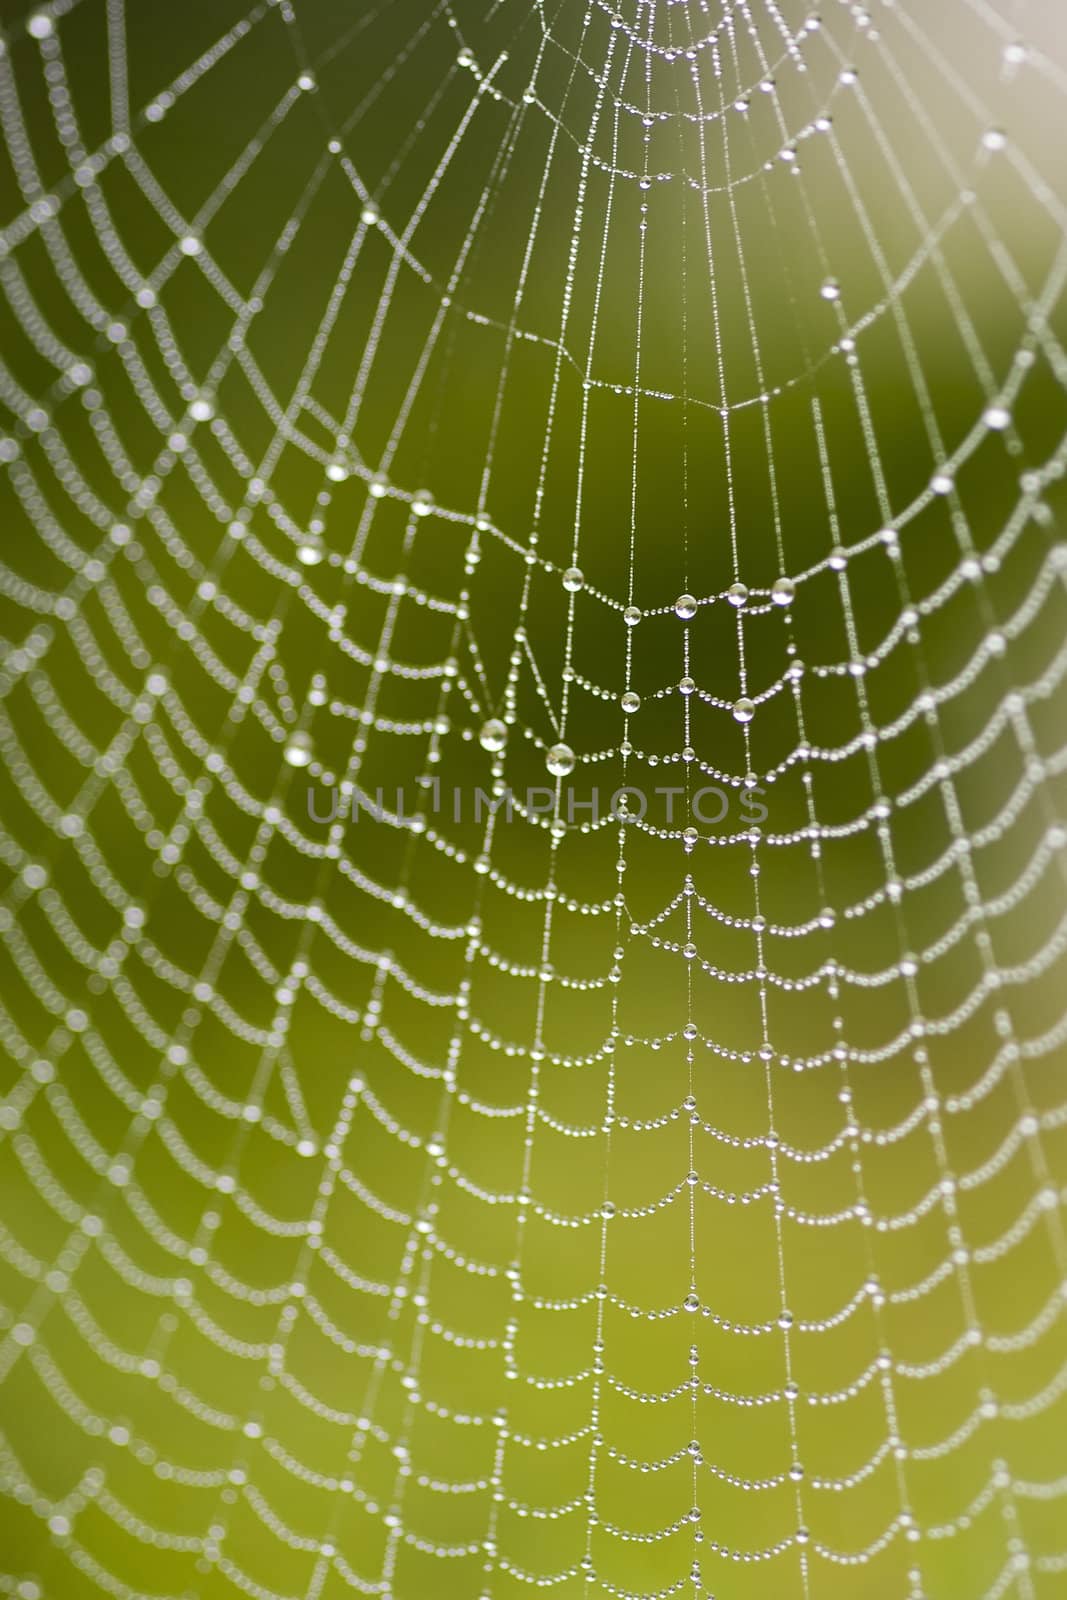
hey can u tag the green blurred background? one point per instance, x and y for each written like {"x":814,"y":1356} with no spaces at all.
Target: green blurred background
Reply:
{"x":425,"y":252}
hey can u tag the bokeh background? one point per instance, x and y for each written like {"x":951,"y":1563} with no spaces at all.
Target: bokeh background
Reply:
{"x":347,"y":1218}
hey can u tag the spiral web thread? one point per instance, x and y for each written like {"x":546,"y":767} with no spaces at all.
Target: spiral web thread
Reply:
{"x":224,"y":1048}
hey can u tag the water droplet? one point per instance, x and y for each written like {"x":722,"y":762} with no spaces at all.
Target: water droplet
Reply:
{"x":573,"y":579}
{"x":299,"y":749}
{"x":631,"y":616}
{"x":692,"y":1302}
{"x":631,"y":702}
{"x":422,"y":502}
{"x":994,"y":139}
{"x":831,"y":289}
{"x":838,"y":559}
{"x":998,"y":418}
{"x":685,"y":607}
{"x":493,"y":735}
{"x":796,"y":1472}
{"x":560,"y":760}
{"x":310,"y":551}
{"x":607,"y":1209}
{"x":378,"y":485}
{"x":744,"y":710}
{"x":782,"y":591}
{"x":687,"y":686}
{"x":737,"y":594}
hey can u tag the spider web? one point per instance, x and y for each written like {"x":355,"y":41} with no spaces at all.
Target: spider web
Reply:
{"x":427,"y":1169}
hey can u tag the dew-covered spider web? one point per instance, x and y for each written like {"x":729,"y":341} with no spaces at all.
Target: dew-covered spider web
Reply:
{"x":533,"y":922}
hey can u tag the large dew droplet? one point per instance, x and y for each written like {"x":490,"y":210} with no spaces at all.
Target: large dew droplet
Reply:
{"x":494,"y":735}
{"x":744,"y":710}
{"x":783,"y":591}
{"x":685,"y":607}
{"x":631,"y":702}
{"x":299,"y":749}
{"x":560,"y":760}
{"x":573,"y":579}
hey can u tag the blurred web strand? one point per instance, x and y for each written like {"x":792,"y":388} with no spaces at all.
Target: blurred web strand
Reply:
{"x":154,"y":717}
